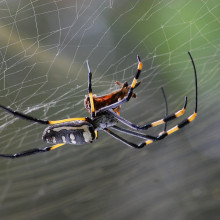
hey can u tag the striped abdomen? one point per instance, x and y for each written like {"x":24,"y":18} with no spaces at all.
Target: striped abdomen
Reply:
{"x":74,"y":132}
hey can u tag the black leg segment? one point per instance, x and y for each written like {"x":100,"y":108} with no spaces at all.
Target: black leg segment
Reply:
{"x":23,"y":116}
{"x":30,"y":152}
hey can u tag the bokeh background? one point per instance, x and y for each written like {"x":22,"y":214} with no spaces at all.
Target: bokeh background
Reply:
{"x":44,"y":46}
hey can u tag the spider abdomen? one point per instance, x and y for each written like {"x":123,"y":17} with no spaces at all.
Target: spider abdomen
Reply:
{"x":75,"y":132}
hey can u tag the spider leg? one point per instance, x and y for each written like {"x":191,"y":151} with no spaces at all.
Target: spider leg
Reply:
{"x":133,"y":133}
{"x":150,"y":138}
{"x":90,"y":90}
{"x":172,"y":130}
{"x":186,"y":121}
{"x":153,"y":124}
{"x":141,"y":135}
{"x":68,"y":119}
{"x":30,"y":152}
{"x":23,"y":116}
{"x":130,"y":92}
{"x":138,"y":134}
{"x":90,"y":94}
{"x":33,"y":119}
{"x":128,"y":143}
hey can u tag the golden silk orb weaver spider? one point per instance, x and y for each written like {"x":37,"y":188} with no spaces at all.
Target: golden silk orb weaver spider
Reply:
{"x":104,"y":116}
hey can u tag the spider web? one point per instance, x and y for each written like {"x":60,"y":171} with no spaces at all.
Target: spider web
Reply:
{"x":43,"y":51}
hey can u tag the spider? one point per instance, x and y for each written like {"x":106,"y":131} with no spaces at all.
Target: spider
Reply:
{"x":84,"y":130}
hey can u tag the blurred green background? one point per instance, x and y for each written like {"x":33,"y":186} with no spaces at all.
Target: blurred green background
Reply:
{"x":43,"y":49}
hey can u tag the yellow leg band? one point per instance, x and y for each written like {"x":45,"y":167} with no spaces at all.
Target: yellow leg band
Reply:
{"x":172,"y":130}
{"x":56,"y":146}
{"x":159,"y":122}
{"x":192,"y":117}
{"x":66,"y":120}
{"x":91,"y":102}
{"x":140,"y":65}
{"x":133,"y":83}
{"x":180,"y":112}
{"x":148,"y":142}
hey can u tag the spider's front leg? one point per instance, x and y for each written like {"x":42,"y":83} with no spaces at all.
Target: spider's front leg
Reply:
{"x":33,"y":119}
{"x":30,"y":152}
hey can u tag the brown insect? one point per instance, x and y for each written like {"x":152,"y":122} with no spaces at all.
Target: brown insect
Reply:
{"x":110,"y":98}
